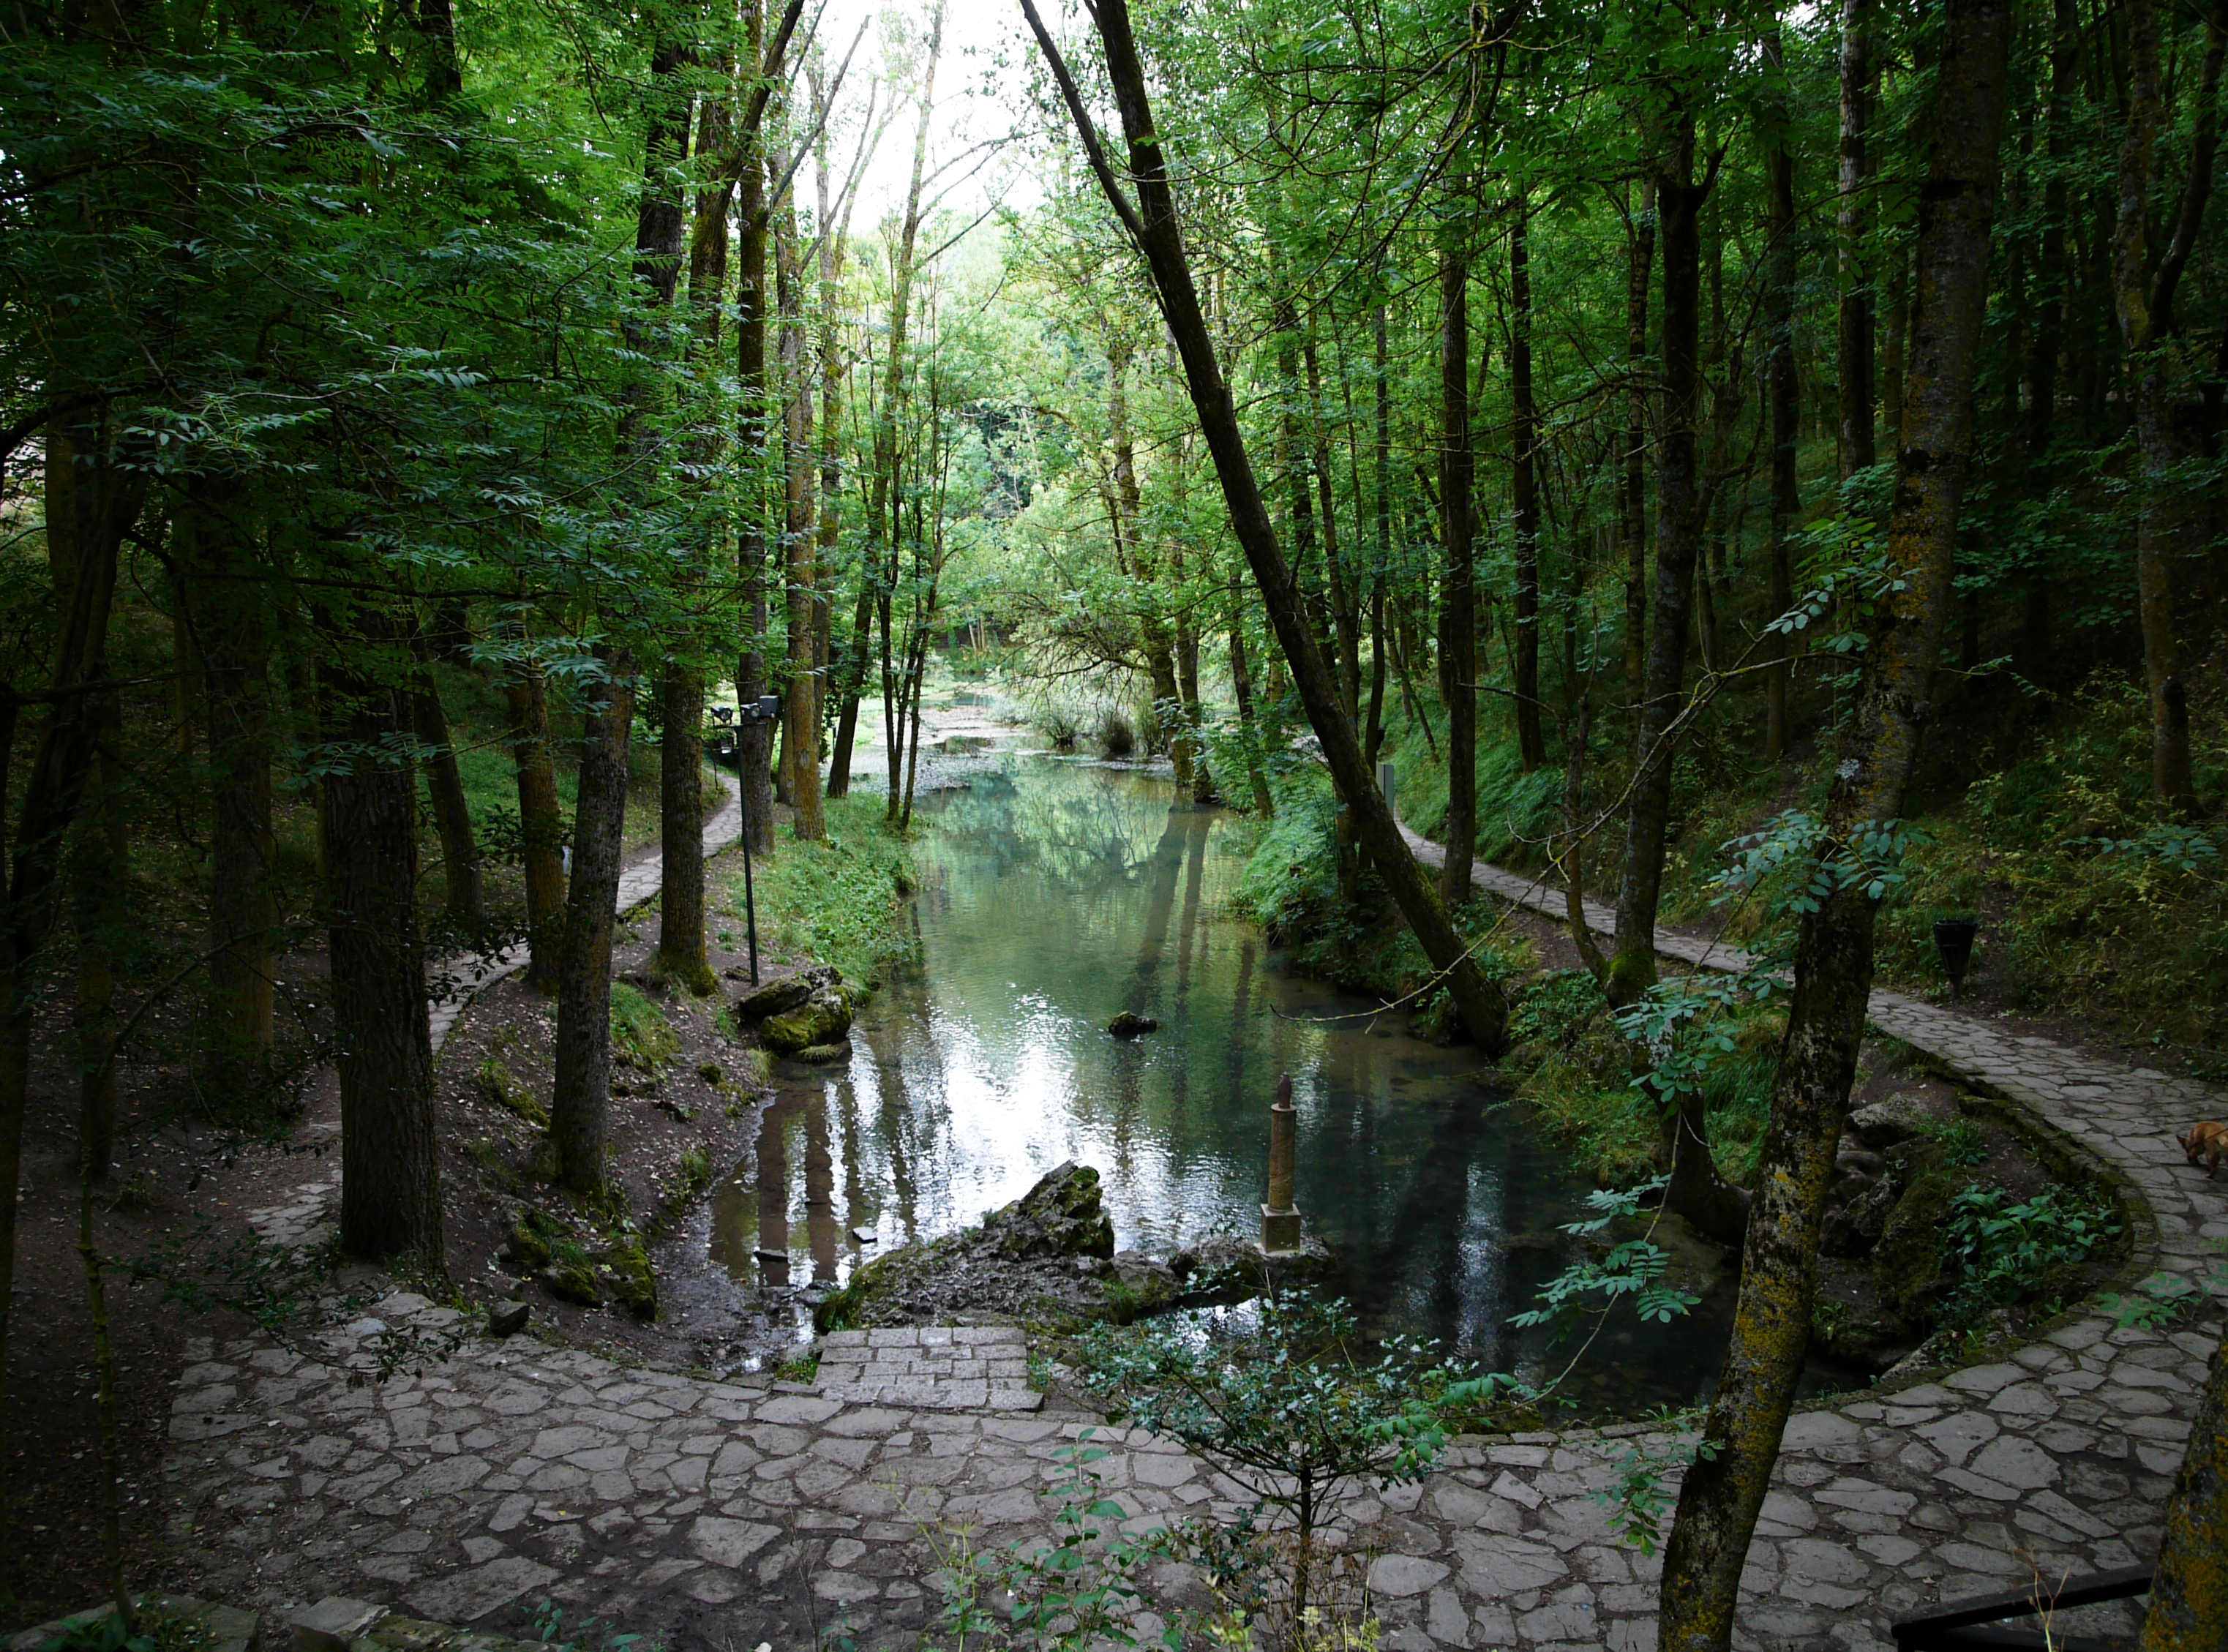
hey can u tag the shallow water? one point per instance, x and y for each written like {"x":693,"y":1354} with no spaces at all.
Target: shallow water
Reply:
{"x":1054,"y":894}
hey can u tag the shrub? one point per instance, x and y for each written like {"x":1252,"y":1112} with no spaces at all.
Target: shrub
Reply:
{"x":1292,"y":1405}
{"x":2007,"y":1252}
{"x":1117,"y":736}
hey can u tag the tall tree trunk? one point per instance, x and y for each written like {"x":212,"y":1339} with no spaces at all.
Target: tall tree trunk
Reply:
{"x":390,"y":1150}
{"x":1725,"y":1489}
{"x":1458,"y":615}
{"x":1632,"y":496}
{"x":1894,"y":339}
{"x":681,"y":955}
{"x":881,"y":533}
{"x":452,"y":814}
{"x":1855,"y":447}
{"x":1344,"y":588}
{"x":540,"y":820}
{"x":834,"y":672}
{"x":661,"y":235}
{"x":1378,"y":640}
{"x":579,"y":1100}
{"x":858,"y":651}
{"x":226,"y":615}
{"x":1241,"y":688}
{"x":801,"y":706}
{"x":1678,"y":538}
{"x":1697,"y":1190}
{"x":100,"y":872}
{"x":1523,"y":489}
{"x":753,"y":738}
{"x":2189,"y":1591}
{"x":90,"y":503}
{"x":1784,"y":385}
{"x":2144,"y":300}
{"x":2053,"y":274}
{"x":1159,"y":235}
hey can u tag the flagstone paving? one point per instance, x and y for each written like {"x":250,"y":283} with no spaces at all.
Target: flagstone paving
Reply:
{"x":721,"y":1514}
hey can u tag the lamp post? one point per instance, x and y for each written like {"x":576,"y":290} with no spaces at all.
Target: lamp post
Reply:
{"x":765,"y":709}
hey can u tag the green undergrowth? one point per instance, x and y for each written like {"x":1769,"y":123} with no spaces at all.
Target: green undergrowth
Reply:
{"x":2091,"y":898}
{"x":1576,"y":1074}
{"x":1291,"y":888}
{"x":641,"y":1036}
{"x":840,"y":901}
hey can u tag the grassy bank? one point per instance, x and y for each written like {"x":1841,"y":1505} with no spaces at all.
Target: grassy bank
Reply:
{"x":841,"y":901}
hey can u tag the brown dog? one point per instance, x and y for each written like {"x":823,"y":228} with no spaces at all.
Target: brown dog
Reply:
{"x":2206,"y":1142}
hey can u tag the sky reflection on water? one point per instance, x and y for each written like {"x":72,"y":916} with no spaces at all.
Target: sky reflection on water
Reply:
{"x":1055,"y":893}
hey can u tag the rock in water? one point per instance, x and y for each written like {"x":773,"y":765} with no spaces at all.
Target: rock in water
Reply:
{"x":823,"y":1018}
{"x":1129,"y":1024}
{"x":778,"y":997}
{"x":1060,"y":1216}
{"x":1224,"y":1268}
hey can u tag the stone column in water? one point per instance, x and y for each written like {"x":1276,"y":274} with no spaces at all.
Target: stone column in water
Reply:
{"x":1280,"y":1217}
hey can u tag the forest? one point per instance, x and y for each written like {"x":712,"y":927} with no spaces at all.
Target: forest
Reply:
{"x":1758,"y":468}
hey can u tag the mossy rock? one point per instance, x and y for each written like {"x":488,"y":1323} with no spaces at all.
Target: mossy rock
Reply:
{"x":778,"y":997}
{"x":823,"y":1054}
{"x":633,"y":1281}
{"x":498,"y":1084}
{"x":574,"y":1281}
{"x":528,"y":1250}
{"x":1908,"y":1263}
{"x":825,"y":1018}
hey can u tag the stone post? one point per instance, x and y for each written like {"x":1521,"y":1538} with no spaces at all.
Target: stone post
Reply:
{"x":1280,"y":1217}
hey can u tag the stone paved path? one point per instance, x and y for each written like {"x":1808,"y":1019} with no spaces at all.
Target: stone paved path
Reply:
{"x":638,"y":884}
{"x":719,"y":1514}
{"x":941,"y":1367}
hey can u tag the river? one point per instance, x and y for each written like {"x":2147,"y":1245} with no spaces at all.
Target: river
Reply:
{"x":1054,"y":893}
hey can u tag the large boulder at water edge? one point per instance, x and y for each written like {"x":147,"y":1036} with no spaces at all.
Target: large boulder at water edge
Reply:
{"x":778,"y":998}
{"x":1047,"y":1260}
{"x":825,"y":1018}
{"x":1060,"y":1216}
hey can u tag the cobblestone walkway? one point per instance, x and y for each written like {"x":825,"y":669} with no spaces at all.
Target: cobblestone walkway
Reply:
{"x":719,"y":1515}
{"x":940,"y":1367}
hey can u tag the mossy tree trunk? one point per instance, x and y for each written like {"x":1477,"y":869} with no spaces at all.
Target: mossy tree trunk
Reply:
{"x":1679,"y":508}
{"x":541,"y":825}
{"x":452,"y":814}
{"x":580,"y":1098}
{"x":390,"y":1153}
{"x":85,"y":532}
{"x":2189,"y":1594}
{"x":1524,"y":490}
{"x":1723,"y":1491}
{"x":2143,"y":294}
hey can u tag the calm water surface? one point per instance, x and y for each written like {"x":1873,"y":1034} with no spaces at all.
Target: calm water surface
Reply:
{"x":1054,"y":894}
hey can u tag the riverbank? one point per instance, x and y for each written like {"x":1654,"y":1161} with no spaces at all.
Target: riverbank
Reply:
{"x":698,"y":1512}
